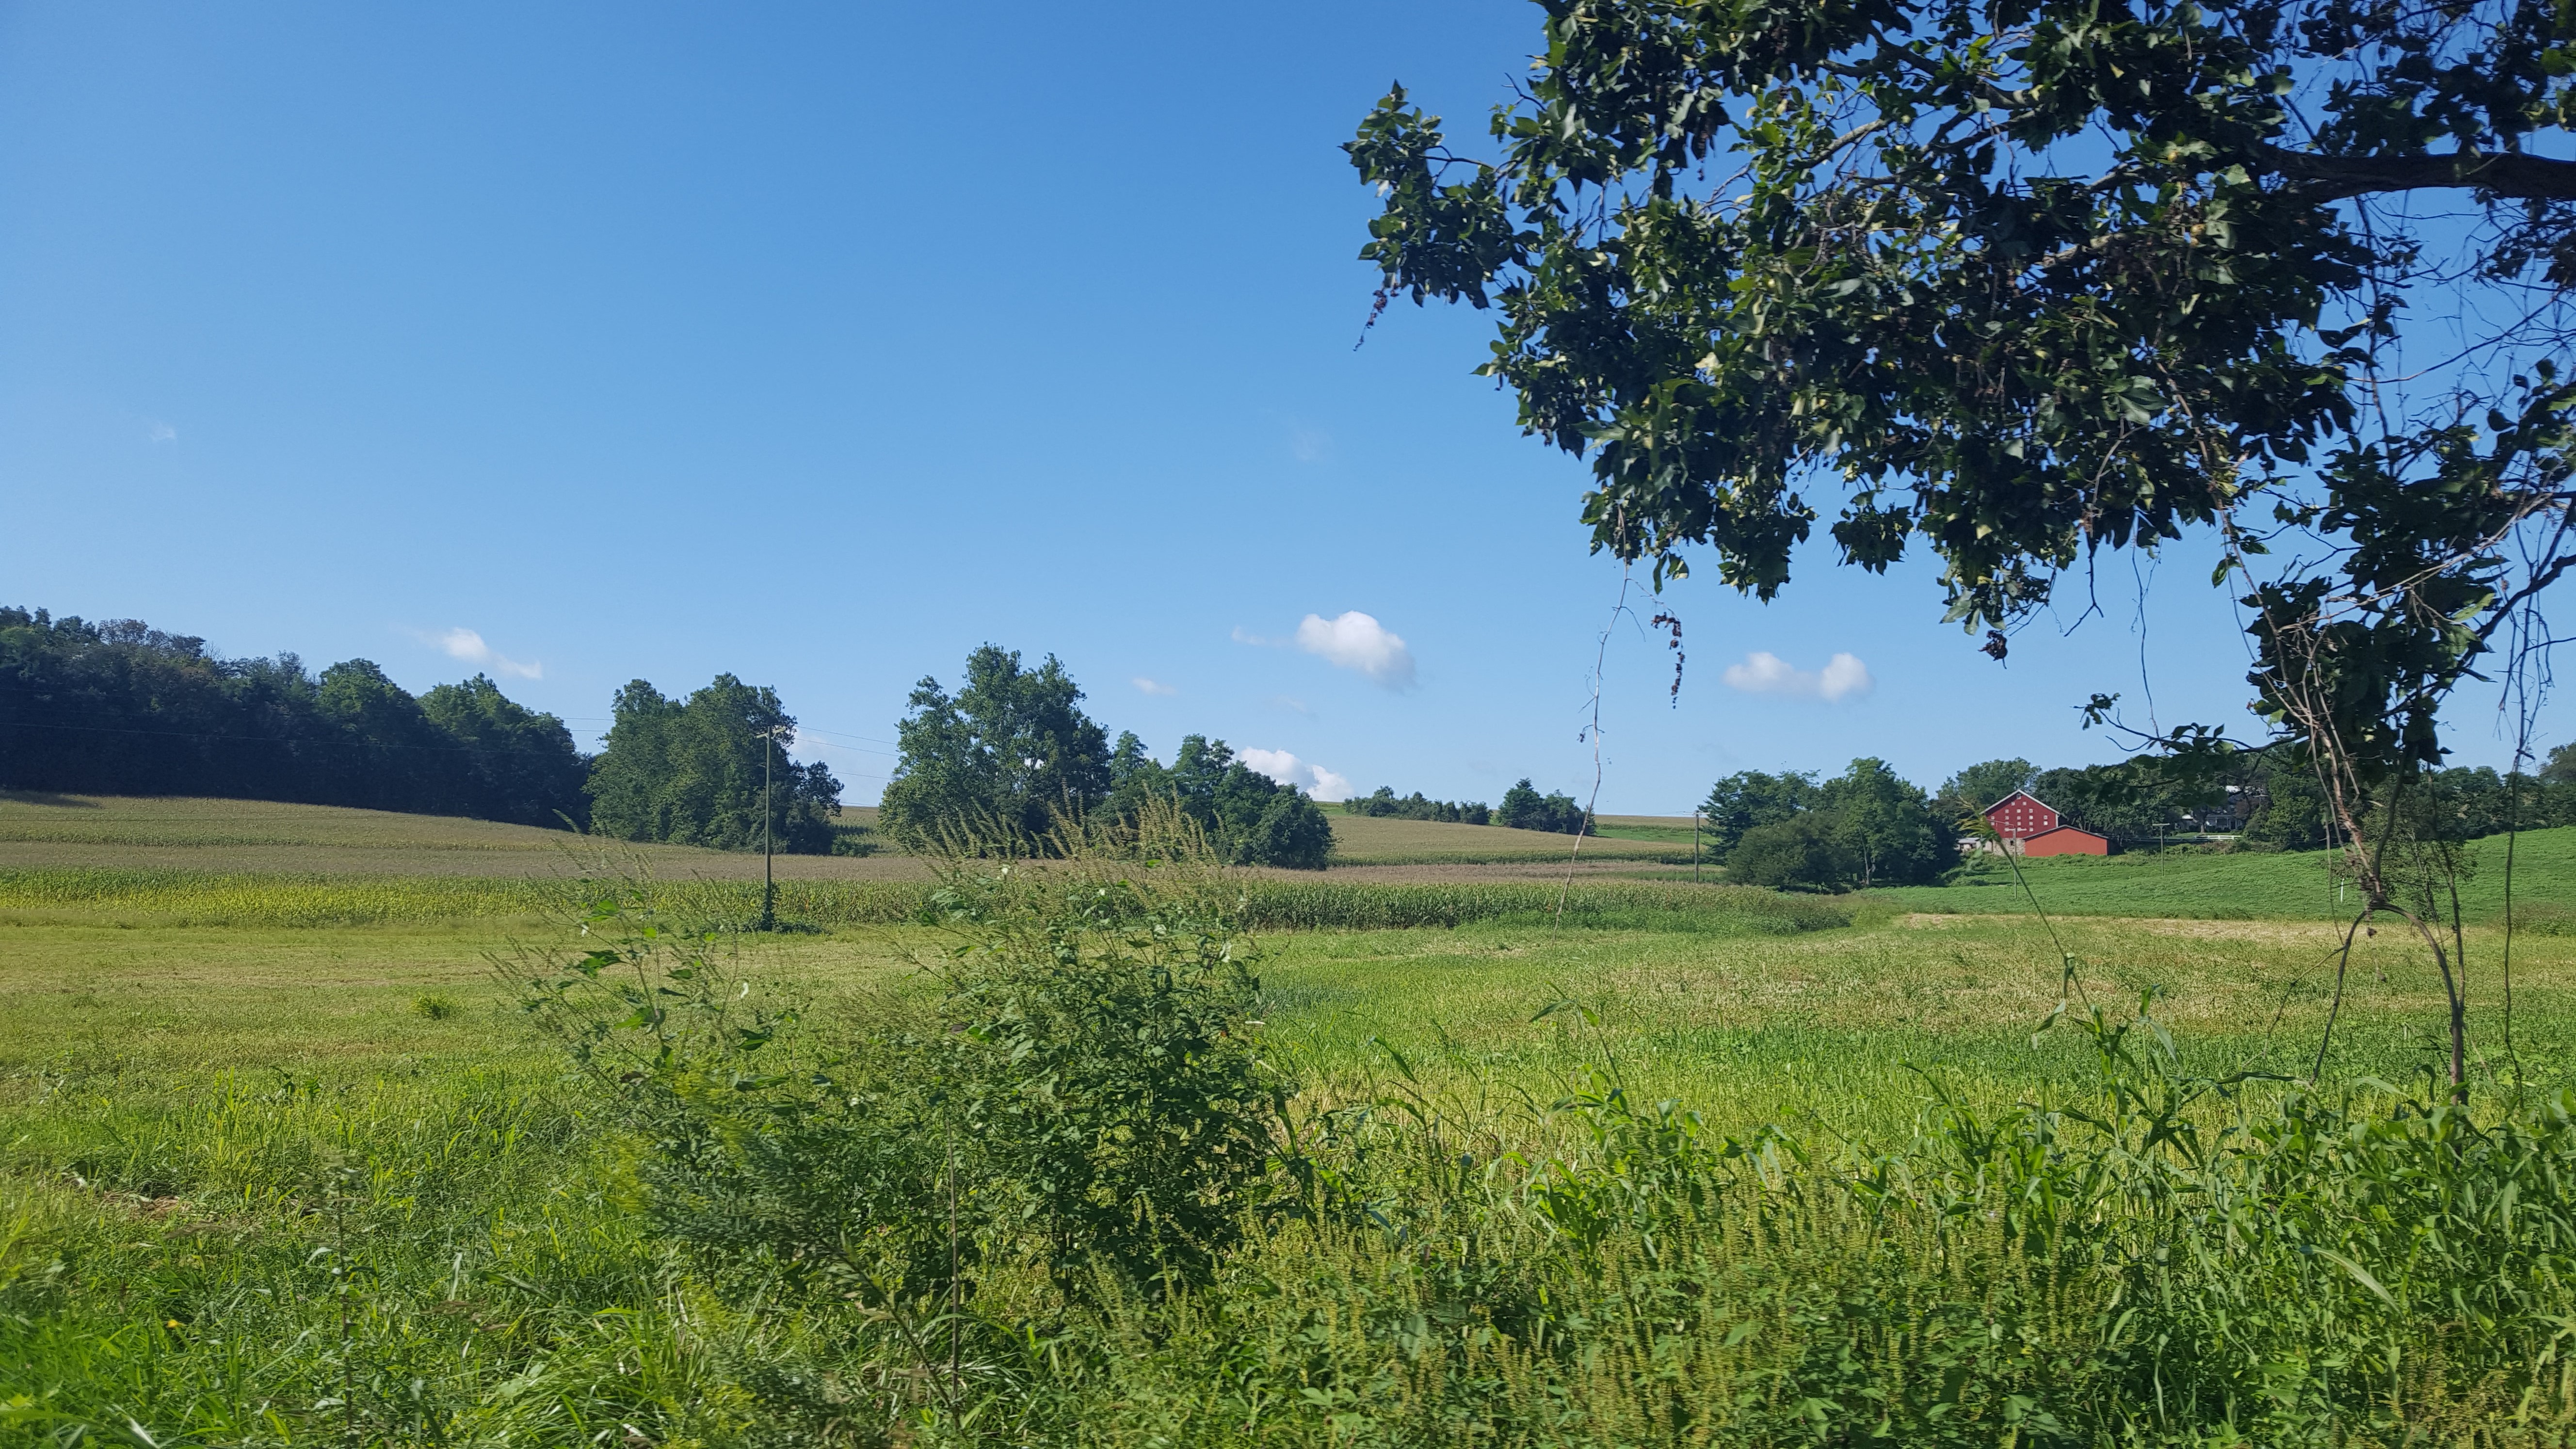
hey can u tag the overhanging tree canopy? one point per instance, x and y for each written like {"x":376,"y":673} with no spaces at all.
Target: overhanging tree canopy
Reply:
{"x":2026,"y":280}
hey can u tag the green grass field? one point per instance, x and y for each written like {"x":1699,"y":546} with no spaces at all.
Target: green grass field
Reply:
{"x":280,"y":1182}
{"x":2251,"y":885}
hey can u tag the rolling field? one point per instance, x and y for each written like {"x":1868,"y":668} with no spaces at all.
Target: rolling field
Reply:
{"x":258,"y":837}
{"x":298,"y":1183}
{"x":236,"y":837}
{"x":1367,"y":840}
{"x":2253,"y":885}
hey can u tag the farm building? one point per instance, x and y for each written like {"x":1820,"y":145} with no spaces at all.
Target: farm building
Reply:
{"x":2031,"y":826}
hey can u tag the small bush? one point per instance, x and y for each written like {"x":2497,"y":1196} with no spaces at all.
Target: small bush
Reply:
{"x":1087,"y":1101}
{"x":436,"y":1008}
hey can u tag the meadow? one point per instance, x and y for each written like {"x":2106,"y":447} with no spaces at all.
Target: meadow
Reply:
{"x":2252,"y":885}
{"x":320,"y":1180}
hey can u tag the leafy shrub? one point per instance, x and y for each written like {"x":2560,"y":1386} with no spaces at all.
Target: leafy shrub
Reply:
{"x":1101,"y":1053}
{"x":1086,"y":1099}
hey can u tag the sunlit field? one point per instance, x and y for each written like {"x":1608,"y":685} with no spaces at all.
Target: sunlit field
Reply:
{"x":300,"y":1183}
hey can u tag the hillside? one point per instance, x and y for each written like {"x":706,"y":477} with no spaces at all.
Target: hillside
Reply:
{"x":42,"y":831}
{"x":2291,"y":885}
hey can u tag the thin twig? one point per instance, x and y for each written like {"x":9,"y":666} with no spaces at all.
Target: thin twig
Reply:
{"x":1583,"y":827}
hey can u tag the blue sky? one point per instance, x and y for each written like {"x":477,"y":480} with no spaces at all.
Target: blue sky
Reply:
{"x":822,"y":343}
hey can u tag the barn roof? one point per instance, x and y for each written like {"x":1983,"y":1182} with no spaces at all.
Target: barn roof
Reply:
{"x":2022,"y":795}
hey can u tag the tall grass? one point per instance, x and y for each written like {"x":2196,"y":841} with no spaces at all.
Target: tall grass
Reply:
{"x":1499,"y":1246}
{"x":179,"y":897}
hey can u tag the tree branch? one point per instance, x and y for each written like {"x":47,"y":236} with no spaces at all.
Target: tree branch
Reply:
{"x":2504,"y":173}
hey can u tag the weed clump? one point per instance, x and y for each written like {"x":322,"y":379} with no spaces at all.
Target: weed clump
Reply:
{"x":1082,"y":1112}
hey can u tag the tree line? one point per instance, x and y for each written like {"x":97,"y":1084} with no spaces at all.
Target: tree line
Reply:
{"x":1868,"y":826}
{"x":1523,"y":808}
{"x":999,"y":763}
{"x":118,"y":707}
{"x":2271,"y":802}
{"x":121,"y":708}
{"x":995,"y":765}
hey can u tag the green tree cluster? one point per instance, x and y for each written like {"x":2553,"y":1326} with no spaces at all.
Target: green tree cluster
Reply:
{"x":1865,"y":827}
{"x":1002,"y":762}
{"x":1524,"y":808}
{"x":998,"y":762}
{"x":1385,"y":804}
{"x":1749,"y":798}
{"x":2458,"y":804}
{"x":120,"y":708}
{"x":1976,"y":789}
{"x":696,"y":772}
{"x":1249,"y":818}
{"x":2267,"y":802}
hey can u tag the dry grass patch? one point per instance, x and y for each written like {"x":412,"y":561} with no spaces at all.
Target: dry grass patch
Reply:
{"x":1371,"y":840}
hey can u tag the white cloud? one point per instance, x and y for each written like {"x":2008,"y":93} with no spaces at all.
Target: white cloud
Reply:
{"x":1763,"y":672}
{"x":1150,"y":686}
{"x":160,"y":433}
{"x":467,"y":645}
{"x":1357,"y":641}
{"x":1287,"y":769}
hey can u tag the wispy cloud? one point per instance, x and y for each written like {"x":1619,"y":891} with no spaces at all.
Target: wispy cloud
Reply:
{"x":1762,"y":672}
{"x":1287,"y":769}
{"x":467,"y":645}
{"x":1309,"y":445}
{"x":1290,"y":703}
{"x":1151,"y":686}
{"x":159,"y":432}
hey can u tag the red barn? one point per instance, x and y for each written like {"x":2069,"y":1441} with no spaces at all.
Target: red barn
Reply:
{"x":2032,"y":826}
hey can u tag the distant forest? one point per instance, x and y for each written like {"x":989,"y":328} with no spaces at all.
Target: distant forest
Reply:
{"x":120,"y":708}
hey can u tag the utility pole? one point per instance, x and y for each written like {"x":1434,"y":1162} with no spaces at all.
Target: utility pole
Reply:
{"x":1694,"y":847}
{"x":768,"y":881}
